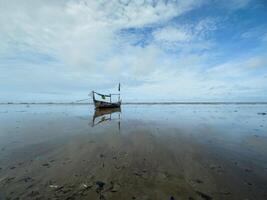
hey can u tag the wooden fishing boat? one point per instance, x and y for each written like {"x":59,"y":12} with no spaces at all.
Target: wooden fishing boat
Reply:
{"x":106,"y":100}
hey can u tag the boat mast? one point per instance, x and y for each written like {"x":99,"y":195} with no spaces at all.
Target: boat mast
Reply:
{"x":119,"y":89}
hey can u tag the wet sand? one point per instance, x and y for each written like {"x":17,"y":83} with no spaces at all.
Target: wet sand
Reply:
{"x":172,"y":152}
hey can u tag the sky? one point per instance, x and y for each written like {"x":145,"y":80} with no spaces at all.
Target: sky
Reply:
{"x":159,"y":50}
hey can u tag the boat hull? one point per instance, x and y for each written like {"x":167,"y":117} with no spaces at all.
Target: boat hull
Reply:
{"x":103,"y":104}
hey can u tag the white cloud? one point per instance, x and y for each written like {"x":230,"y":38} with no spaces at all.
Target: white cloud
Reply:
{"x":239,"y":68}
{"x":171,"y":34}
{"x":81,"y":34}
{"x":187,"y":38}
{"x":256,"y":62}
{"x":225,"y":82}
{"x":186,"y":33}
{"x":205,"y":26}
{"x":82,"y":38}
{"x":255,"y":33}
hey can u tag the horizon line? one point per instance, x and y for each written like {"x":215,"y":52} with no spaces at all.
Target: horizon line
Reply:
{"x":138,"y":103}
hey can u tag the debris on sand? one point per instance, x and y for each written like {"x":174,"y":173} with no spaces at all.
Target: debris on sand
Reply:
{"x":83,"y":189}
{"x":53,"y":186}
{"x":86,"y":186}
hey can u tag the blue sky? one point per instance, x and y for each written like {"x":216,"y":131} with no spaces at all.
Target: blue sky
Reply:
{"x":176,"y":50}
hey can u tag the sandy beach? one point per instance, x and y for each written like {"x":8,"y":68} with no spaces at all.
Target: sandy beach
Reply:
{"x":145,"y":152}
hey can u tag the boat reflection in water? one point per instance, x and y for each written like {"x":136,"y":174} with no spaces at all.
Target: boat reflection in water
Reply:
{"x":106,"y":114}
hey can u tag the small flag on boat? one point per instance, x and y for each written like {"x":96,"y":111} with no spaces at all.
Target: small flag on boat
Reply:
{"x":119,"y":88}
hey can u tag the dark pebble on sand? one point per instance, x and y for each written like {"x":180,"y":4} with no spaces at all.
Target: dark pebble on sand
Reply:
{"x":46,"y":165}
{"x":248,"y":170}
{"x":66,"y":191}
{"x":8,"y":180}
{"x":100,"y":184}
{"x":204,"y":196}
{"x":33,"y":194}
{"x":27,"y":179}
{"x":250,"y":184}
{"x":137,"y":174}
{"x":70,"y":198}
{"x":199,"y":181}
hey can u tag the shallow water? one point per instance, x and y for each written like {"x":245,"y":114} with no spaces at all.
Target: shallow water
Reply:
{"x":141,"y":152}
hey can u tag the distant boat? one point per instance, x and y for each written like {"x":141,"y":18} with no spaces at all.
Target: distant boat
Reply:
{"x":106,"y":100}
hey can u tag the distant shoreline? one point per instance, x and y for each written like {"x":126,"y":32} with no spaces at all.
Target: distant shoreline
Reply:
{"x":142,"y":103}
